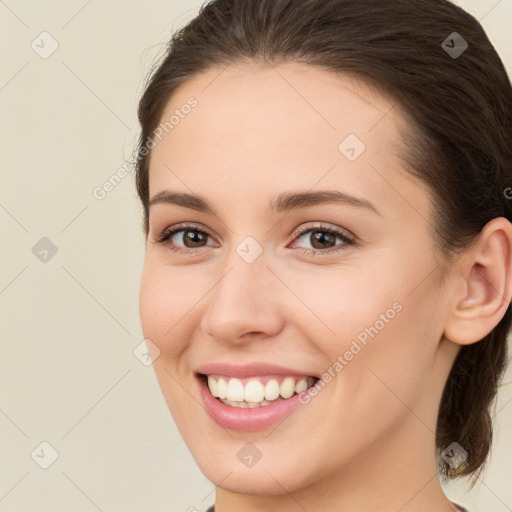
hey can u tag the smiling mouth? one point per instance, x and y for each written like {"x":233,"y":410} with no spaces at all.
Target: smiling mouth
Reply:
{"x":256,"y":391}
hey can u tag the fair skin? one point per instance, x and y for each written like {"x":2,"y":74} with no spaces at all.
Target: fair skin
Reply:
{"x":366,"y":441}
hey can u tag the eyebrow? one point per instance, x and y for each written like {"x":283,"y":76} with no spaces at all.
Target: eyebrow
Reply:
{"x":285,"y":202}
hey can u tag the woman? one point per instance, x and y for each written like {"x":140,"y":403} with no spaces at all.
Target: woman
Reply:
{"x":327,"y":277}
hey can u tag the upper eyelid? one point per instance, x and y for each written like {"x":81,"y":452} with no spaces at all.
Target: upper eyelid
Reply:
{"x":319,"y":227}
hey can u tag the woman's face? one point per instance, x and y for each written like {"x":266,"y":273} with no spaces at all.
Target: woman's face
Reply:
{"x":243,"y":286}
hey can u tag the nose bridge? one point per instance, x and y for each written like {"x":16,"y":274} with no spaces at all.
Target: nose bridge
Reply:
{"x":245,"y":268}
{"x":243,"y":299}
{"x":243,"y":284}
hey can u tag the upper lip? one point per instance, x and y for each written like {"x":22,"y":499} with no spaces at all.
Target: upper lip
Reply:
{"x":250,"y":370}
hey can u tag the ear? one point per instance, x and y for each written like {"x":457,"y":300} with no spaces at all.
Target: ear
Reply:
{"x":485,"y":277}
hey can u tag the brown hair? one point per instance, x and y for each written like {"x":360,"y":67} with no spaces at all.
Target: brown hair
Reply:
{"x":459,"y":138}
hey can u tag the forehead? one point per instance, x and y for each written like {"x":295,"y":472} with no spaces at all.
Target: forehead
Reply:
{"x":251,"y":99}
{"x":256,"y":128}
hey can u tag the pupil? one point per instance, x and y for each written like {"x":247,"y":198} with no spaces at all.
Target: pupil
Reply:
{"x":319,"y":236}
{"x":194,"y":236}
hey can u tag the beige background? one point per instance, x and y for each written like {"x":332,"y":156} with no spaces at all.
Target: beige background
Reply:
{"x":68,"y":375}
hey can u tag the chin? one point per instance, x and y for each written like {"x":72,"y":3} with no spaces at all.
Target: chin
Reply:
{"x":250,"y":481}
{"x":270,"y":476}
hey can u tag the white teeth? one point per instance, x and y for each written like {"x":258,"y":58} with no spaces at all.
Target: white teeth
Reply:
{"x":301,"y":385}
{"x":235,"y":391}
{"x":213,"y":386}
{"x":254,"y":393}
{"x":271,"y":389}
{"x":222,"y":388}
{"x":287,"y":387}
{"x":218,"y":388}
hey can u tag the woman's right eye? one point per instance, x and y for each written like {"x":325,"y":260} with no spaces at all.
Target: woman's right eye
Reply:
{"x":189,"y":234}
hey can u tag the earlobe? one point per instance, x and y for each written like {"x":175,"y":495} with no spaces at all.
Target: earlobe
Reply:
{"x":487,"y":274}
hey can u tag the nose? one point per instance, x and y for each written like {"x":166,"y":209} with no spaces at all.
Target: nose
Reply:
{"x":244,"y":304}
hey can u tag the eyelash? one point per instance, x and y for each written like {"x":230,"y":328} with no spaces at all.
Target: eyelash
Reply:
{"x":347,"y":240}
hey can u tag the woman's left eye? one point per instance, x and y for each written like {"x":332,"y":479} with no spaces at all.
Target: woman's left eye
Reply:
{"x":320,"y":235}
{"x":322,"y":238}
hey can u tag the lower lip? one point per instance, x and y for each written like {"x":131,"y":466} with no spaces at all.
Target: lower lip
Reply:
{"x":238,"y":418}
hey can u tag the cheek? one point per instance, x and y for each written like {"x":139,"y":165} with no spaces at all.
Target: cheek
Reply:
{"x":166,"y":297}
{"x":335,"y":305}
{"x":392,"y":362}
{"x":378,"y":335}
